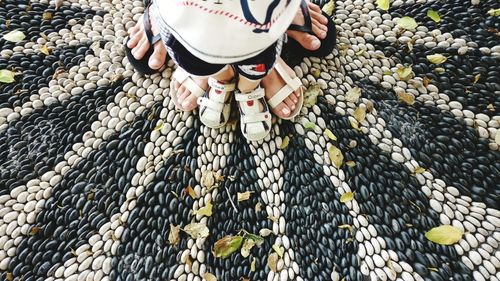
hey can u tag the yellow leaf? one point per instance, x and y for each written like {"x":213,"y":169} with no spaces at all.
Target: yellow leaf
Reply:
{"x":285,"y":142}
{"x":6,"y":76}
{"x":350,"y":163}
{"x":444,"y":235}
{"x":272,"y":262}
{"x":383,"y":4}
{"x":159,"y":126}
{"x":329,"y":7}
{"x":494,"y":12}
{"x":242,"y":196}
{"x":419,"y":170}
{"x":316,"y":73}
{"x":309,"y":126}
{"x":436,"y":58}
{"x":210,"y":179}
{"x":204,"y":211}
{"x":353,"y":95}
{"x":476,"y":78}
{"x":497,"y":137}
{"x":47,"y":16}
{"x":279,"y":250}
{"x":387,"y":72}
{"x":439,"y":70}
{"x":209,"y":277}
{"x":34,"y":230}
{"x":346,"y":197}
{"x":258,"y":207}
{"x":346,"y":226}
{"x":45,"y":50}
{"x":407,"y":23}
{"x":252,"y":265}
{"x":404,"y":73}
{"x":265,"y":232}
{"x":330,"y":135}
{"x":173,"y":235}
{"x":189,"y":190}
{"x":9,"y":276}
{"x":433,"y":15}
{"x":490,"y":107}
{"x":360,"y":52}
{"x":407,"y":98}
{"x":247,"y":247}
{"x":354,"y":123}
{"x":196,"y":230}
{"x":227,"y":245}
{"x":14,"y":36}
{"x":311,"y":94}
{"x":410,"y":46}
{"x":359,"y":114}
{"x":336,"y":156}
{"x":273,"y":218}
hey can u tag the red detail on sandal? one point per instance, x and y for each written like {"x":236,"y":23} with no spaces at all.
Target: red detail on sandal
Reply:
{"x":260,"y":67}
{"x":218,"y":91}
{"x":266,"y":116}
{"x":250,"y":103}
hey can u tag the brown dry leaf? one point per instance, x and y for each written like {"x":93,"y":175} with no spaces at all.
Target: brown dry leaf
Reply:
{"x":497,"y":137}
{"x":204,"y":211}
{"x":336,"y":156}
{"x":196,"y":230}
{"x":369,"y":106}
{"x":9,"y":276}
{"x":359,"y":114}
{"x":209,"y":277}
{"x":407,"y":98}
{"x":243,"y":196}
{"x":426,"y":81}
{"x":47,"y":16}
{"x":34,"y":230}
{"x":353,"y":95}
{"x":272,"y":262}
{"x":190,"y":191}
{"x":227,"y":245}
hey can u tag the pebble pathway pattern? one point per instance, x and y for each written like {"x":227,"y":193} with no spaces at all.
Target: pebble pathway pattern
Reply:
{"x":94,"y":159}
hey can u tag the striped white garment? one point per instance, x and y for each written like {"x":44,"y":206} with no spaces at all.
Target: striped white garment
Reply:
{"x":225,"y":31}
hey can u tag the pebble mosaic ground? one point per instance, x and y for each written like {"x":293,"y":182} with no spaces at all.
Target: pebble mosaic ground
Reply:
{"x":95,"y":161}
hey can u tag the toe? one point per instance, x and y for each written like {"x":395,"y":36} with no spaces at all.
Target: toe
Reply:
{"x":190,"y":103}
{"x":157,"y":59}
{"x":182,"y":94}
{"x":141,"y":49}
{"x":319,"y":30}
{"x":134,"y":38}
{"x":307,"y":41}
{"x":289,"y":103}
{"x":317,"y":14}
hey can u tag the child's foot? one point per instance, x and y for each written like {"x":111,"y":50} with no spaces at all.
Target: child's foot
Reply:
{"x":139,"y":44}
{"x":273,"y":83}
{"x":319,"y":27}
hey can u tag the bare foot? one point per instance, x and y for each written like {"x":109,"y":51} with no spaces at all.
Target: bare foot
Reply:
{"x":319,"y":22}
{"x":187,"y":101}
{"x":139,"y":44}
{"x":272,"y":83}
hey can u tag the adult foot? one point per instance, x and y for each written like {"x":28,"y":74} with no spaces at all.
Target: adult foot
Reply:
{"x":186,"y":100}
{"x":273,"y":82}
{"x":139,"y":44}
{"x":319,"y":28}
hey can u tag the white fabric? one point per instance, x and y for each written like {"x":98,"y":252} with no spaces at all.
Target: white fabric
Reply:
{"x":254,"y":95}
{"x":227,"y":31}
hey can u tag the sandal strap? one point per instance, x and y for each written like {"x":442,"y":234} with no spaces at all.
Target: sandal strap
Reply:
{"x":291,"y":86}
{"x":224,"y":87}
{"x":254,"y":95}
{"x":307,"y":26}
{"x":152,"y":39}
{"x":255,"y":117}
{"x":215,"y":106}
{"x":184,"y":79}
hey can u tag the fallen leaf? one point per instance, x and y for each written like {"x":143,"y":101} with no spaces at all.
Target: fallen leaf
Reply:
{"x":247,"y":247}
{"x":285,"y":142}
{"x":190,"y":191}
{"x":359,"y":114}
{"x":252,"y":265}
{"x":404,"y":73}
{"x":6,"y":76}
{"x":210,"y":179}
{"x":360,"y":52}
{"x":9,"y":276}
{"x":490,"y":107}
{"x":265,"y":232}
{"x":209,"y":277}
{"x":353,"y":95}
{"x":346,"y":226}
{"x":497,"y":137}
{"x":279,"y":250}
{"x":419,"y":170}
{"x":258,"y":240}
{"x":34,"y":230}
{"x":173,"y":235}
{"x":434,"y":15}
{"x":476,"y":78}
{"x":47,"y":16}
{"x":309,"y":126}
{"x":410,"y":46}
{"x":330,"y":135}
{"x":369,"y":105}
{"x":387,"y":72}
{"x":316,"y":73}
{"x":329,"y":7}
{"x":350,"y":163}
{"x":273,"y":218}
{"x":426,"y":81}
{"x":242,"y":196}
{"x":444,"y":235}
{"x":45,"y":50}
{"x":14,"y":36}
{"x":436,"y":58}
{"x":354,"y":123}
{"x":383,"y":4}
{"x":494,"y":12}
{"x":407,"y":23}
{"x":227,"y":245}
{"x":336,"y":156}
{"x":258,"y":207}
{"x":196,"y":230}
{"x":346,"y":197}
{"x":204,"y":211}
{"x":311,"y":95}
{"x":407,"y":98}
{"x":272,"y":261}
{"x":439,"y":70}
{"x":159,"y":126}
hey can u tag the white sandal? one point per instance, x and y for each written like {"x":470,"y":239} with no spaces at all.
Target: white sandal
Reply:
{"x":184,"y":78}
{"x":215,"y":106}
{"x":292,"y":85}
{"x":250,"y":114}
